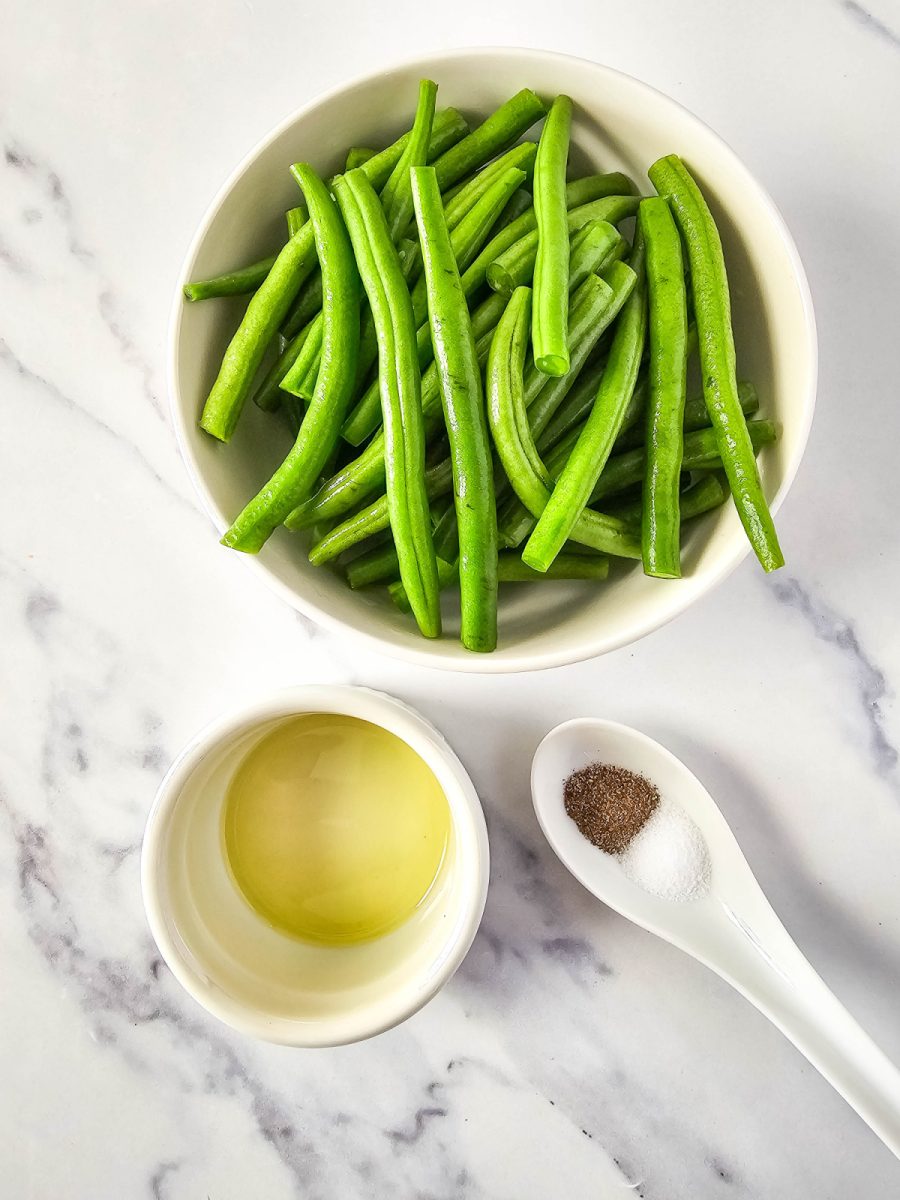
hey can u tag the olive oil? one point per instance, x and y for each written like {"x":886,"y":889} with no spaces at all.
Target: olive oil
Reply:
{"x":335,"y":829}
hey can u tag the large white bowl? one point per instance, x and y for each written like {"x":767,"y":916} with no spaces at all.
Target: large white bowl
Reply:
{"x":620,"y":124}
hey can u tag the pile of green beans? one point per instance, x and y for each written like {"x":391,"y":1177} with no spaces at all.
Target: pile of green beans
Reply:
{"x":484,"y":365}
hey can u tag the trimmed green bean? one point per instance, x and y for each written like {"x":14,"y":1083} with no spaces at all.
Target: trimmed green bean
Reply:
{"x":300,"y":378}
{"x":376,"y":566}
{"x":550,"y":303}
{"x":701,"y":452}
{"x":295,"y":217}
{"x":511,"y":569}
{"x":592,"y":247}
{"x":404,"y":458}
{"x":320,"y":430}
{"x":269,"y":396}
{"x":506,"y":407}
{"x":463,"y":402}
{"x":573,"y":487}
{"x":666,"y":389}
{"x":232,"y":283}
{"x":396,"y":196}
{"x":365,"y":474}
{"x":357,"y":155}
{"x":712,"y":310}
{"x":466,"y":239}
{"x":604,"y":208}
{"x":544,"y":396}
{"x":499,"y":131}
{"x":519,"y":204}
{"x":708,"y":492}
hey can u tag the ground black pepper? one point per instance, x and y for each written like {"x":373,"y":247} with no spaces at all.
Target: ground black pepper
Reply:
{"x":609,"y":804}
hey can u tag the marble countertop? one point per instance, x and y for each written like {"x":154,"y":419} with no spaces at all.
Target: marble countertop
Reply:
{"x":573,"y":1055}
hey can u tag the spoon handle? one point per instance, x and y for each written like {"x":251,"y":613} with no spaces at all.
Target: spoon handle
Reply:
{"x":765,"y":965}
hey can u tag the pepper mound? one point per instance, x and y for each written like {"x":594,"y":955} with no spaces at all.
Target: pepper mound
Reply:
{"x":609,"y":805}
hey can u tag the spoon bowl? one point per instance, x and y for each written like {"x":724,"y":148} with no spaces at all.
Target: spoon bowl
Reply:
{"x":731,"y":927}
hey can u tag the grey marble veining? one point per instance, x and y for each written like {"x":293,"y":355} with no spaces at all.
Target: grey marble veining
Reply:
{"x":572,"y":1055}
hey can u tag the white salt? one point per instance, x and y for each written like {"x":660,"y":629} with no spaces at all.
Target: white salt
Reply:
{"x":669,"y":856}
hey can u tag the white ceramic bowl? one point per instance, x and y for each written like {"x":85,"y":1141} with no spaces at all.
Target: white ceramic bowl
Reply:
{"x":620,"y":124}
{"x":262,"y":982}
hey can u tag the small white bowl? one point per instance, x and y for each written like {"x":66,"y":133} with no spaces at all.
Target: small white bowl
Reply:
{"x":620,"y":123}
{"x":265,"y":983}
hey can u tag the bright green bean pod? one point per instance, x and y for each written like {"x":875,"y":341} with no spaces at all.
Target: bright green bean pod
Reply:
{"x":271,"y":303}
{"x":505,"y":396}
{"x":463,"y":401}
{"x":449,"y":127}
{"x":232,"y":283}
{"x":357,"y":155}
{"x":503,"y":127}
{"x":377,"y":566}
{"x":295,"y":218}
{"x":365,"y":474}
{"x":320,"y":430}
{"x":573,"y":487}
{"x":701,"y":452}
{"x":389,"y":299}
{"x":446,"y":532}
{"x":712,"y":310}
{"x":543,"y":396}
{"x":550,"y":303}
{"x":666,"y":390}
{"x":511,"y":569}
{"x":375,"y":518}
{"x":708,"y":492}
{"x":396,"y":197}
{"x":460,"y":201}
{"x":466,"y":239}
{"x":300,"y":379}
{"x":593,"y":247}
{"x":520,"y":203}
{"x":269,"y":396}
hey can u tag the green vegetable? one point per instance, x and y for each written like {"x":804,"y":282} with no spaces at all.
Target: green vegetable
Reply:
{"x":463,"y":401}
{"x":499,"y":131}
{"x":712,"y":310}
{"x":667,"y":388}
{"x":389,"y":299}
{"x":232,"y":283}
{"x":508,"y":422}
{"x":320,"y":430}
{"x":396,"y":196}
{"x":550,"y":305}
{"x":295,"y":217}
{"x":593,"y":247}
{"x":574,"y":485}
{"x":357,"y":155}
{"x":300,"y":379}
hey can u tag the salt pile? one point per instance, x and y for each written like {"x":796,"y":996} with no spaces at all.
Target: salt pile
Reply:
{"x":669,"y":857}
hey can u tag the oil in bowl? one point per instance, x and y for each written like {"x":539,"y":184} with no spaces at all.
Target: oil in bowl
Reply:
{"x":335,"y":829}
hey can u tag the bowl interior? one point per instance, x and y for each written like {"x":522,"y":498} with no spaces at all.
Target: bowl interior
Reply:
{"x":620,"y":124}
{"x":266,"y":982}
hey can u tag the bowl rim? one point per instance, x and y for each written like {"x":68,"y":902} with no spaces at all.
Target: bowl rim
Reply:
{"x":428,"y":655}
{"x":467,"y":814}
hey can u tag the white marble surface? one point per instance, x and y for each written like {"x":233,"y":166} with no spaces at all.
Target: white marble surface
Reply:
{"x":573,"y":1055}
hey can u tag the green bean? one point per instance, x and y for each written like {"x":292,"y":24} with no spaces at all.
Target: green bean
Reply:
{"x":232,"y":283}
{"x":295,"y":217}
{"x":701,"y":452}
{"x":506,"y":404}
{"x":269,"y":396}
{"x":603,"y":208}
{"x":375,"y":518}
{"x":404,"y":457}
{"x":708,"y":492}
{"x":712,"y":310}
{"x":573,"y":487}
{"x":511,"y":569}
{"x":519,"y":203}
{"x":595,"y":187}
{"x":365,"y":474}
{"x":544,"y":396}
{"x":460,"y":201}
{"x":667,"y":389}
{"x":446,"y":531}
{"x":396,"y":196}
{"x":463,"y":402}
{"x":357,"y":155}
{"x":592,"y":246}
{"x":550,"y":303}
{"x":376,"y":566}
{"x":300,"y":379}
{"x":466,"y":240}
{"x":499,"y":131}
{"x":320,"y":430}
{"x":449,"y":127}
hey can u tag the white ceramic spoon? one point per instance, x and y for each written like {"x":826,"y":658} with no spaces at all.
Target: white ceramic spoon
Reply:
{"x":732,"y":929}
